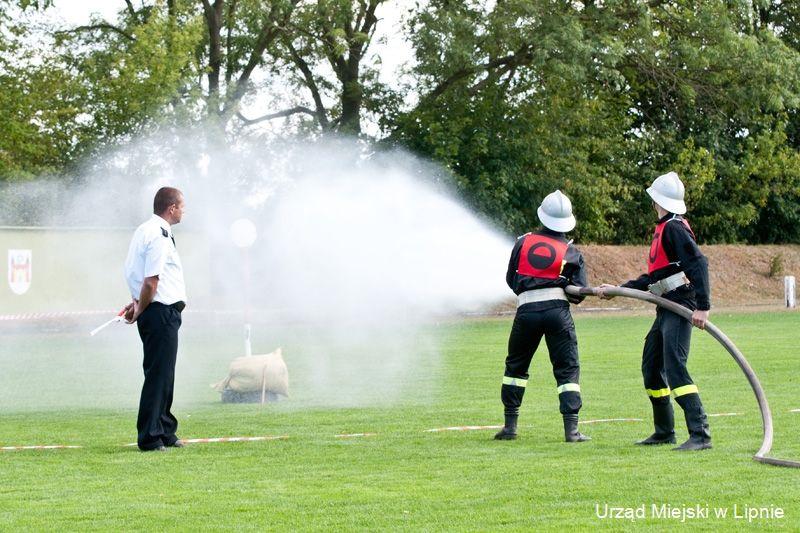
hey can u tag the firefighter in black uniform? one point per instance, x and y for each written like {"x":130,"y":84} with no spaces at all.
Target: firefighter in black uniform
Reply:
{"x":678,"y":271}
{"x":543,"y":263}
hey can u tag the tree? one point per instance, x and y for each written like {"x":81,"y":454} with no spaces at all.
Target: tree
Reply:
{"x":601,"y":98}
{"x":240,"y":48}
{"x":515,"y":97}
{"x":336,"y":34}
{"x":511,"y":101}
{"x":40,"y":105}
{"x":709,"y":86}
{"x":137,"y":74}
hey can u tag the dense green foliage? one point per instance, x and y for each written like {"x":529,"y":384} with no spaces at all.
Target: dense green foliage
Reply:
{"x":601,"y":99}
{"x":40,"y":106}
{"x":402,"y":478}
{"x":515,"y":97}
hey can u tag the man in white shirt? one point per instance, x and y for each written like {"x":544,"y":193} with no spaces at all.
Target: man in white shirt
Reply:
{"x":154,"y":275}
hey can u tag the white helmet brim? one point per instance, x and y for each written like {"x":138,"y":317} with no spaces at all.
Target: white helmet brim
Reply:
{"x":670,"y":204}
{"x":556,"y":224}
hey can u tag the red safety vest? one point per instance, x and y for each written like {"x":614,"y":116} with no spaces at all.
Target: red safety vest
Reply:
{"x":541,"y":257}
{"x":657,"y":258}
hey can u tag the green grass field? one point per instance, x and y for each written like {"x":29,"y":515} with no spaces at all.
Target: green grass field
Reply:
{"x":403,"y":478}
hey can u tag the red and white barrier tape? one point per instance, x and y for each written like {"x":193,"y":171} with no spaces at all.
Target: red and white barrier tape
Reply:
{"x":461,"y":428}
{"x":227,"y":439}
{"x":340,"y":436}
{"x":39,"y":447}
{"x":601,"y":420}
{"x":66,"y":314}
{"x":52,"y":314}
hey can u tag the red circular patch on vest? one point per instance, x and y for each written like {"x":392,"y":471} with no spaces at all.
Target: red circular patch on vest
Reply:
{"x":541,"y":257}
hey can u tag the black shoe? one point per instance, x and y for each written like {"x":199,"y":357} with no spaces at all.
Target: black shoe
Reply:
{"x":571,"y":433}
{"x":577,"y":437}
{"x":506,"y":434}
{"x":156,"y":449}
{"x":177,"y":444}
{"x":694,"y":444}
{"x":655,"y":439}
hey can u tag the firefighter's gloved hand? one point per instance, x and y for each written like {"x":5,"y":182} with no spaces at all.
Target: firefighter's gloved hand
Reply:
{"x":600,"y":291}
{"x":699,"y":318}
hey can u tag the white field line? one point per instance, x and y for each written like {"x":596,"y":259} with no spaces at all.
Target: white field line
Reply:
{"x":341,"y":436}
{"x":601,"y":420}
{"x":473,"y":428}
{"x":227,"y":439}
{"x":461,"y":428}
{"x":39,"y":447}
{"x":794,"y":410}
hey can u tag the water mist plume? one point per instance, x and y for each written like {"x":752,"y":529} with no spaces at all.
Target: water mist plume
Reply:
{"x":361,"y":248}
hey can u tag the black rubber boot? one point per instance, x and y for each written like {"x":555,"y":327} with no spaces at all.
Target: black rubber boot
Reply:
{"x":509,"y":431}
{"x":664,"y":422}
{"x":571,"y":433}
{"x":696,"y":423}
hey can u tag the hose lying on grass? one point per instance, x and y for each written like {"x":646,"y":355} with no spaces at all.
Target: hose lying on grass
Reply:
{"x":766,"y":415}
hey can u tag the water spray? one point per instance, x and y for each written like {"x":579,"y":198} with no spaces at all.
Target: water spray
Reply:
{"x":359,"y":257}
{"x":766,"y":415}
{"x":243,"y":234}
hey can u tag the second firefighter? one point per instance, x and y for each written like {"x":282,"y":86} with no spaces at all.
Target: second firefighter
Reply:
{"x":678,"y":271}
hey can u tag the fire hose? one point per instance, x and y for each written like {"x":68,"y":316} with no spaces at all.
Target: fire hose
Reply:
{"x":714,"y":331}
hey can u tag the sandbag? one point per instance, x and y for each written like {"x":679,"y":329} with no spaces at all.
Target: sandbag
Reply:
{"x":264,"y":373}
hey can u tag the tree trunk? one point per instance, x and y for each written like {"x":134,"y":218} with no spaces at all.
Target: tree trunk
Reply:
{"x":213,"y":15}
{"x":351,"y":99}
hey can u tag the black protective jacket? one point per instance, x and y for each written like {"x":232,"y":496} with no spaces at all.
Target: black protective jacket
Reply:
{"x":573,"y":273}
{"x":682,"y":250}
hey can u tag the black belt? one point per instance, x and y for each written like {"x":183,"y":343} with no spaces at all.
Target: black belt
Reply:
{"x":178,"y":306}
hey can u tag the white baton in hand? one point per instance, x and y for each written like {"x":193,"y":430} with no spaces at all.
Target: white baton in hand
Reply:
{"x":119,"y":318}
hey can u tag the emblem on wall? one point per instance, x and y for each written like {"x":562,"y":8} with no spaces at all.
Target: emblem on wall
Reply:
{"x":20,"y":270}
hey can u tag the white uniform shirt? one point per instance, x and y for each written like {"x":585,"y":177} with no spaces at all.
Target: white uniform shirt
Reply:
{"x":152,"y":252}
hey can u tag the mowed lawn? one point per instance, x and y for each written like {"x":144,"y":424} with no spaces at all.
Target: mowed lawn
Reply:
{"x":403,"y":477}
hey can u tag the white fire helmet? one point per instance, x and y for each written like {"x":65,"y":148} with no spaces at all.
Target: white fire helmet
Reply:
{"x":667,"y":191}
{"x":556,"y":212}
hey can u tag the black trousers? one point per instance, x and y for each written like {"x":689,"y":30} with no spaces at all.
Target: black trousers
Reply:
{"x":158,"y":328}
{"x":531,"y":323}
{"x":666,"y":350}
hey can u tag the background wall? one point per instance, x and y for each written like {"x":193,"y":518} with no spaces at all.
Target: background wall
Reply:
{"x":82,"y":269}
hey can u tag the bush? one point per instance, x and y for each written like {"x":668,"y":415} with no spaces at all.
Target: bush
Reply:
{"x":776,"y":265}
